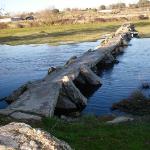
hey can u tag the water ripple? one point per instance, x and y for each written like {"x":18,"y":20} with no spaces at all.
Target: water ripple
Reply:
{"x":123,"y":78}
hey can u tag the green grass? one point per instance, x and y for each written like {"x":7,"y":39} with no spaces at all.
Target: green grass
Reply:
{"x":54,"y":35}
{"x":91,"y":134}
{"x":143,"y":27}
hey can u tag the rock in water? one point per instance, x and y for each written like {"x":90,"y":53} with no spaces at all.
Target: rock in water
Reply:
{"x":23,"y":137}
{"x":71,"y":60}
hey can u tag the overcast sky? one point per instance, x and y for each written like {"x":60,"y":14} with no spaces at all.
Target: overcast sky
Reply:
{"x":34,"y":5}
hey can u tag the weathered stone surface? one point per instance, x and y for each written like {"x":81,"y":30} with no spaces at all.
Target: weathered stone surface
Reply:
{"x":109,"y":59}
{"x":40,"y":97}
{"x":73,"y":93}
{"x":65,"y":103}
{"x":6,"y":112}
{"x":69,"y":119}
{"x":37,"y":100}
{"x":51,"y":69}
{"x":120,"y":119}
{"x":15,"y":95}
{"x":71,"y":60}
{"x":22,"y":116}
{"x":23,"y":137}
{"x":90,"y":77}
{"x":80,"y":79}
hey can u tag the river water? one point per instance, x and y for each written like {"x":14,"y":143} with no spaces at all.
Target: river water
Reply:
{"x":123,"y":78}
{"x":23,"y":63}
{"x":19,"y":64}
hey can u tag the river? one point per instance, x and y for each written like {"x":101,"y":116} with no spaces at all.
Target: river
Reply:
{"x":19,"y":64}
{"x":23,"y":63}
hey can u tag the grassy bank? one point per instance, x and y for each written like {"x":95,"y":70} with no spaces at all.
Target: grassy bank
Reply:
{"x":143,"y":28}
{"x":55,"y":34}
{"x":64,"y":33}
{"x":91,"y":133}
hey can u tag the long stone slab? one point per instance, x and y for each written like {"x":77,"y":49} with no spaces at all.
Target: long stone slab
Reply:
{"x":40,"y":97}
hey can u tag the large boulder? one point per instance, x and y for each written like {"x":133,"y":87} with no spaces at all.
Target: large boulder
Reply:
{"x":21,"y":136}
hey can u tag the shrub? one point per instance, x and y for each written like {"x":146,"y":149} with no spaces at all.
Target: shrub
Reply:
{"x":3,"y":26}
{"x":143,"y":17}
{"x":20,"y":25}
{"x":55,"y":11}
{"x":102,"y":7}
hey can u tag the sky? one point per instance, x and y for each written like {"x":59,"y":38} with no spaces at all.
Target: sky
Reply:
{"x":35,"y":5}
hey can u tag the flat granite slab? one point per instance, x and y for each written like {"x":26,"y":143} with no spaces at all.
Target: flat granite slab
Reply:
{"x":39,"y":98}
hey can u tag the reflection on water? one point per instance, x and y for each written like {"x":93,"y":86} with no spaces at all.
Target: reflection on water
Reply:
{"x":123,"y":78}
{"x":19,"y":64}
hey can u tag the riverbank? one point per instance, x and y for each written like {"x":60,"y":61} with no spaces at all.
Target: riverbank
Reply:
{"x":92,"y":133}
{"x":55,"y":35}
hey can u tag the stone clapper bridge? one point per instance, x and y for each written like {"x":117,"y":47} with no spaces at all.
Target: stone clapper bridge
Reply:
{"x":38,"y":99}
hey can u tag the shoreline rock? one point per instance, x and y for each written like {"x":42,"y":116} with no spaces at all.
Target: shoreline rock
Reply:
{"x":135,"y":104}
{"x":120,"y":119}
{"x":23,"y":137}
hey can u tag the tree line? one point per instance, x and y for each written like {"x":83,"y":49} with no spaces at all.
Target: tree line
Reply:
{"x":141,"y":3}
